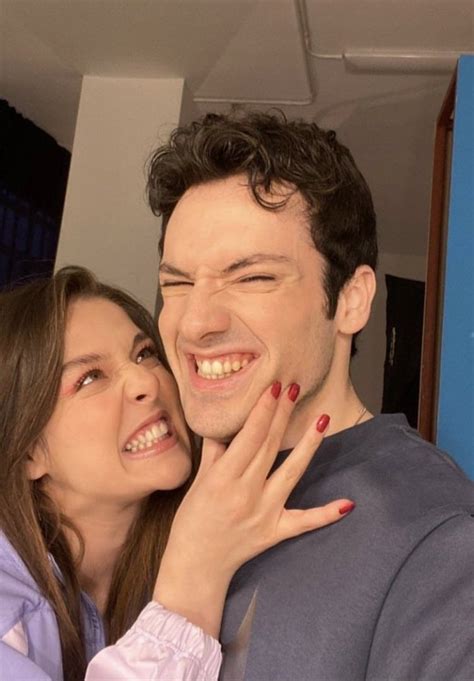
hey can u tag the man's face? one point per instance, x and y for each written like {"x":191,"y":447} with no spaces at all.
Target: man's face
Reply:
{"x":243,"y":305}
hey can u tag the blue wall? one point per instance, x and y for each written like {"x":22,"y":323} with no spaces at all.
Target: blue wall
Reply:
{"x":455,"y":430}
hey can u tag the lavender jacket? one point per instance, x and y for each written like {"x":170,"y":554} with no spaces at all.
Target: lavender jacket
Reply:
{"x":160,"y":646}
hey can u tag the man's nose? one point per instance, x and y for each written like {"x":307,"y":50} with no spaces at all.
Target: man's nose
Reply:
{"x":141,"y":383}
{"x":204,"y":316}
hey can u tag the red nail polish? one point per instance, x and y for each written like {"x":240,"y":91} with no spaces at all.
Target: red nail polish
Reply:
{"x":293,"y":391}
{"x":323,"y":423}
{"x":344,"y":510}
{"x":276,"y":389}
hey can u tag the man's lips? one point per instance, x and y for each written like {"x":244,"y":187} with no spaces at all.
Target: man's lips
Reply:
{"x":212,"y":372}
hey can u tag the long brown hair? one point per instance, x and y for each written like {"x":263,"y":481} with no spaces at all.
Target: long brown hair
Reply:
{"x":32,"y":330}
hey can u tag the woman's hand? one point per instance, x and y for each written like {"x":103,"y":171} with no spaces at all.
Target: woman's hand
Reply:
{"x":234,"y":510}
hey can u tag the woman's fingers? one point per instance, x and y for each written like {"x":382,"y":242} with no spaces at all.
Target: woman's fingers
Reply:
{"x":211,"y":452}
{"x":254,"y":433}
{"x":282,"y":482}
{"x":264,"y":459}
{"x":294,"y":522}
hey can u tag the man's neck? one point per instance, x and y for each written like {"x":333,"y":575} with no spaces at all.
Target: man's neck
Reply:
{"x":343,"y":406}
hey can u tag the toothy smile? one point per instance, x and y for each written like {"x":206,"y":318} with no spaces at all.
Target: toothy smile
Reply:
{"x":221,"y":367}
{"x":148,"y":437}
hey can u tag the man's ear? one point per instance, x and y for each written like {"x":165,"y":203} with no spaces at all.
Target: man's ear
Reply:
{"x":355,"y":300}
{"x":37,"y":463}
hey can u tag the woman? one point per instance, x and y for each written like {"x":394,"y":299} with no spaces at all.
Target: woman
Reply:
{"x":95,"y":454}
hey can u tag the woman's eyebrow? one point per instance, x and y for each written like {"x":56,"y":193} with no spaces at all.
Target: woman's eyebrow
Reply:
{"x":83,"y":360}
{"x":139,"y":338}
{"x":93,"y":358}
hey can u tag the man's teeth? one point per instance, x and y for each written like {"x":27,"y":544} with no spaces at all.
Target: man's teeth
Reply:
{"x":149,"y":437}
{"x":216,"y":369}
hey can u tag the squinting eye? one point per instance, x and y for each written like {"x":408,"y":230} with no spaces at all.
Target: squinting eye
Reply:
{"x":147,"y":352}
{"x":257,"y":277}
{"x":88,"y":378}
{"x":169,"y":284}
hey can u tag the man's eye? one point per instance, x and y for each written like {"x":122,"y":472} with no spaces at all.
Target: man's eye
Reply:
{"x":147,"y":352}
{"x":88,"y":378}
{"x":169,"y":284}
{"x":257,"y":277}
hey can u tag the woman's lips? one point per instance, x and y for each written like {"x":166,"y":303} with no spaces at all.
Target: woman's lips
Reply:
{"x":148,"y":423}
{"x":154,"y":449}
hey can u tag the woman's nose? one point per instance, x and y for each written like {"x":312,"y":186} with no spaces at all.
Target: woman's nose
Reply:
{"x":142,"y":384}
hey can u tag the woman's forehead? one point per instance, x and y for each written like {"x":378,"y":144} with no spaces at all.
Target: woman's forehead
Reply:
{"x":92,"y":321}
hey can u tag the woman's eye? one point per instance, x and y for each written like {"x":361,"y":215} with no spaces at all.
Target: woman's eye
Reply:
{"x":147,"y":352}
{"x":88,"y":378}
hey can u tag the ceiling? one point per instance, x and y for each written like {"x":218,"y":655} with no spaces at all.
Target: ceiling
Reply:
{"x":283,"y":52}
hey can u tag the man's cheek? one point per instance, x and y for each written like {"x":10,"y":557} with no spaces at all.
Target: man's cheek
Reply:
{"x":164,"y":328}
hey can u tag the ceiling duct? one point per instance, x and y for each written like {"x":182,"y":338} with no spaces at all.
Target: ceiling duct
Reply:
{"x":398,"y":61}
{"x":381,"y":61}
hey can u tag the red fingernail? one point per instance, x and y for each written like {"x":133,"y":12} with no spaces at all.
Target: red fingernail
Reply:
{"x":276,"y":389}
{"x":344,"y":510}
{"x":293,"y":391}
{"x":323,"y":423}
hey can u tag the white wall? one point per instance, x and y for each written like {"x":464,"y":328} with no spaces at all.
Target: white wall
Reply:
{"x":107,"y":225}
{"x":368,"y":365}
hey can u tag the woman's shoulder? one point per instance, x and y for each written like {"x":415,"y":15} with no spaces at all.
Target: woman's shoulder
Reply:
{"x":19,"y":594}
{"x":28,"y":626}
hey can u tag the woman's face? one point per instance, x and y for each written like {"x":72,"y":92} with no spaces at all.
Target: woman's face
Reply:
{"x":117,"y":432}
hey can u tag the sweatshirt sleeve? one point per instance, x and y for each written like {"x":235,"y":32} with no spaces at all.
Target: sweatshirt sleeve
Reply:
{"x":18,"y":666}
{"x":425,"y":629}
{"x":160,"y":646}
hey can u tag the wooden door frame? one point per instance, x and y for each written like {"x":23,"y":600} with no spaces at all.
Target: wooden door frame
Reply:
{"x":435,"y":266}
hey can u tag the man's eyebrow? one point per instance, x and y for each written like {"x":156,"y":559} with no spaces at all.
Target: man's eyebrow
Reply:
{"x":93,"y":358}
{"x":255,"y":259}
{"x":167,"y":268}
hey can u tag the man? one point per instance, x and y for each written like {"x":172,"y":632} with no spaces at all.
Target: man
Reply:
{"x":267,"y":273}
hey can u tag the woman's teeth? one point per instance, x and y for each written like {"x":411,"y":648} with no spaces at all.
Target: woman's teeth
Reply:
{"x":216,"y":369}
{"x":149,"y":437}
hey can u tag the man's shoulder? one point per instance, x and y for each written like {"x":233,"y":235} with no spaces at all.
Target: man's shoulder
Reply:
{"x":404,"y":489}
{"x":389,"y":463}
{"x":390,"y":435}
{"x":420,"y":472}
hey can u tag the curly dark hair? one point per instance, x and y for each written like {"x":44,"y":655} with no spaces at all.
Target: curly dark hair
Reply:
{"x":270,"y":149}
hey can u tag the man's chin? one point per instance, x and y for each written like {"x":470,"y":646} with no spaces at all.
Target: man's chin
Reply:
{"x":218,"y":426}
